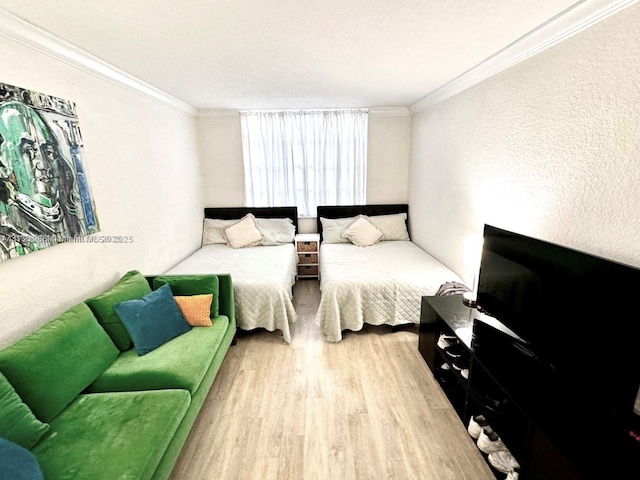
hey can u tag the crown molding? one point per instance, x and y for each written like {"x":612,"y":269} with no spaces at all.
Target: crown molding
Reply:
{"x":31,"y":36}
{"x":218,"y":113}
{"x":580,"y":16}
{"x":377,"y":111}
{"x":390,"y":111}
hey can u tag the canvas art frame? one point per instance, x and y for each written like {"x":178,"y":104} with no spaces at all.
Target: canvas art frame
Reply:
{"x":45,"y":196}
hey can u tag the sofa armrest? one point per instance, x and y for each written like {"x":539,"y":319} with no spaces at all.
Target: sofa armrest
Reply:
{"x":226,"y":297}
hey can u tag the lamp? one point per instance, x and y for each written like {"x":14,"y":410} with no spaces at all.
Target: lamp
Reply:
{"x":471,"y":255}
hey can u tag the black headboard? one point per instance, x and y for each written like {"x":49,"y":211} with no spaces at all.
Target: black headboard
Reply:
{"x":232,"y":213}
{"x":342,"y":211}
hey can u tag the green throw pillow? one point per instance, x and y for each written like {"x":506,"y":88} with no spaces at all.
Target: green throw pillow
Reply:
{"x":152,"y":320}
{"x":133,"y":285}
{"x":18,"y":424}
{"x":182,"y":285}
{"x":49,"y":367}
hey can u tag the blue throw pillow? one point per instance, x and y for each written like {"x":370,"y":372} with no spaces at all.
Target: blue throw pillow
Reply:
{"x":152,"y":320}
{"x":18,"y":463}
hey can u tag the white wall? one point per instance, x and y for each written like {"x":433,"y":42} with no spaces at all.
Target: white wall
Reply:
{"x":223,"y":171}
{"x":388,"y":149}
{"x":141,"y":160}
{"x":548,"y":148}
{"x":220,"y":147}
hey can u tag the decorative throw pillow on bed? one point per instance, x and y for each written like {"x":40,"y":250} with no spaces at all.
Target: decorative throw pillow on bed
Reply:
{"x":244,"y":234}
{"x":196,"y":309}
{"x":362,"y":233}
{"x":152,"y":320}
{"x":332,"y":229}
{"x":276,"y":231}
{"x":213,"y":230}
{"x":393,"y":227}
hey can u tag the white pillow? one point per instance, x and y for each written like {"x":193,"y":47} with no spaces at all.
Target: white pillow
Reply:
{"x":393,"y":227}
{"x":332,"y":229}
{"x":213,"y":230}
{"x":362,"y":232}
{"x":276,"y":231}
{"x":244,"y":234}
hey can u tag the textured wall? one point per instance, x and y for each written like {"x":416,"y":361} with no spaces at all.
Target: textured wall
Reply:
{"x":223,"y":171}
{"x":141,"y":160}
{"x":549,"y":148}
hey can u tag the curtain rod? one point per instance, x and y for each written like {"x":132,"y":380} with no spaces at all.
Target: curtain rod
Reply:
{"x":309,"y":110}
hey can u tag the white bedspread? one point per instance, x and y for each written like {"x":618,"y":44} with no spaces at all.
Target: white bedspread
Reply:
{"x":380,"y":284}
{"x":262,"y":279}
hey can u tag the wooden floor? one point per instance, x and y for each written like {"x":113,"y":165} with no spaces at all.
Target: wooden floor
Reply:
{"x":367,"y":407}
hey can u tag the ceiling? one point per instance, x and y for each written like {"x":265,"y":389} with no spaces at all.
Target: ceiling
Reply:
{"x":258,"y":54}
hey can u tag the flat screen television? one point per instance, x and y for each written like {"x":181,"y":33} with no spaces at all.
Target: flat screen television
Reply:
{"x":576,"y":311}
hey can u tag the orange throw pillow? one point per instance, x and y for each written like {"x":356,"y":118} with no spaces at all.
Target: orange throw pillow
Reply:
{"x":195,"y":309}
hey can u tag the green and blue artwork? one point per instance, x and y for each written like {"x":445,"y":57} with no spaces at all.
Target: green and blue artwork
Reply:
{"x":45,"y":197}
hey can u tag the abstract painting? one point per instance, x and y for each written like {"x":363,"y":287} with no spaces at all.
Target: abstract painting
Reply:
{"x":45,"y":197}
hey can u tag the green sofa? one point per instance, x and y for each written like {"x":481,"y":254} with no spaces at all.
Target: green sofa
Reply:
{"x":101,"y":410}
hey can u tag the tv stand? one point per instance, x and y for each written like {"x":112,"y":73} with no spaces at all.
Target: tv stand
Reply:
{"x":552,"y":429}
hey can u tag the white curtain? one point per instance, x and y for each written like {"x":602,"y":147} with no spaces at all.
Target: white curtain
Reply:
{"x":305,"y":158}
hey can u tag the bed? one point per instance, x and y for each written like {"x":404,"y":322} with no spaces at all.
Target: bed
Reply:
{"x":379,"y":284}
{"x":262,"y":275}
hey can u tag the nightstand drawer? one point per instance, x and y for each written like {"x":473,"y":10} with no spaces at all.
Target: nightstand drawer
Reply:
{"x":308,"y":258}
{"x":307,"y":270}
{"x":308,"y":246}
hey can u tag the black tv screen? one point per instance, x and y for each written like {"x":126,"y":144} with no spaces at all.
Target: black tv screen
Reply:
{"x":577,"y":311}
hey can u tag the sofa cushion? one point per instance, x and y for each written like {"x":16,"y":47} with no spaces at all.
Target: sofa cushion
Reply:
{"x":18,"y":424}
{"x":152,"y":320}
{"x":196,"y":309}
{"x":192,"y":285}
{"x":51,"y":366}
{"x":18,"y":463}
{"x":131,"y":286}
{"x":180,"y":363}
{"x":112,"y":435}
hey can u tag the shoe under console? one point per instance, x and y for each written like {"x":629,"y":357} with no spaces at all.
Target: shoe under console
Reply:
{"x":529,"y":422}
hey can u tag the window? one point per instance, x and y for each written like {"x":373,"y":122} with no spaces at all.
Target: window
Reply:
{"x":305,"y":158}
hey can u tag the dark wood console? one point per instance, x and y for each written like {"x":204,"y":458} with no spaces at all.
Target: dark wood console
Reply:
{"x":553,"y":430}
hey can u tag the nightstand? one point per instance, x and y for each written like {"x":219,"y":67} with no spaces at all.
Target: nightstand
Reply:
{"x":308,"y":250}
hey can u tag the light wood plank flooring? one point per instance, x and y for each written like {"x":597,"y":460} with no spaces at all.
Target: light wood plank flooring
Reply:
{"x":366,"y":408}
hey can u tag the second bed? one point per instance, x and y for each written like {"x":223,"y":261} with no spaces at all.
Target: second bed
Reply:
{"x":379,"y":284}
